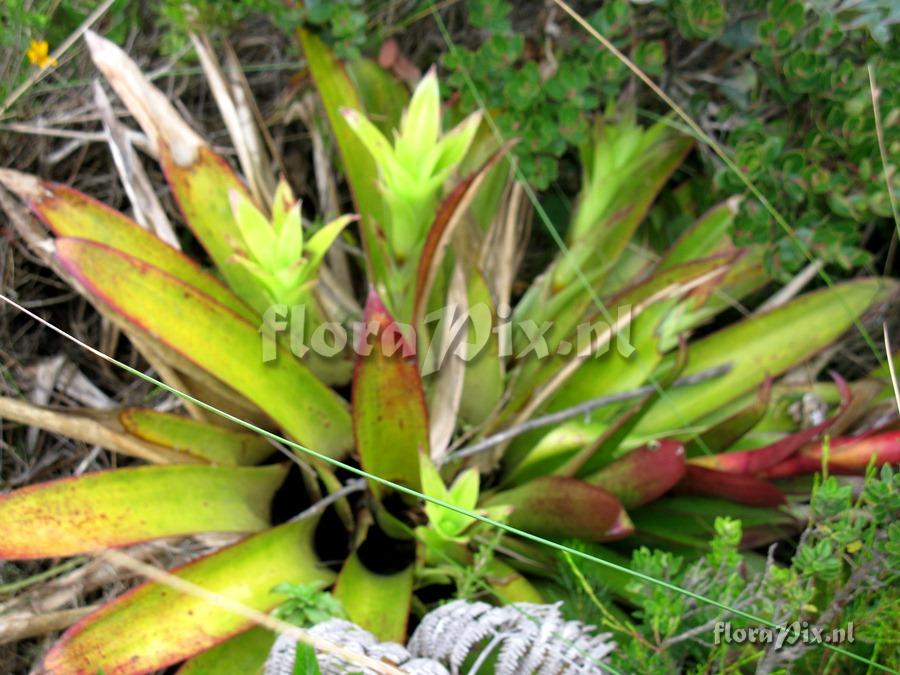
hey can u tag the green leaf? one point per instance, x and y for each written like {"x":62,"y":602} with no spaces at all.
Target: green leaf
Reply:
{"x":69,"y":213}
{"x":382,"y":95}
{"x":463,"y":494}
{"x":484,"y":372}
{"x":625,"y":168}
{"x":375,"y":142}
{"x":125,"y":506}
{"x":454,"y":145}
{"x":213,"y":338}
{"x":763,"y":346}
{"x":257,"y":232}
{"x":448,"y":217}
{"x":337,"y":92}
{"x":154,"y":626}
{"x":641,"y":308}
{"x":505,"y":581}
{"x":420,"y":125}
{"x":244,"y":653}
{"x":690,"y":521}
{"x":321,"y":241}
{"x":305,"y":661}
{"x":560,"y":508}
{"x":464,"y":491}
{"x":432,"y":483}
{"x":307,"y":605}
{"x":212,"y":442}
{"x":706,"y":237}
{"x":202,"y":191}
{"x":390,"y":416}
{"x":724,"y":434}
{"x":379,"y":603}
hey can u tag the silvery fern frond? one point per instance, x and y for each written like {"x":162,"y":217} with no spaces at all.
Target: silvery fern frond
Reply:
{"x":461,"y":638}
{"x":526,"y":638}
{"x":353,"y":638}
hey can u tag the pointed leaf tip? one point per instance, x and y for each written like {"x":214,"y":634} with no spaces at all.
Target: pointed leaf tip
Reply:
{"x":150,"y":107}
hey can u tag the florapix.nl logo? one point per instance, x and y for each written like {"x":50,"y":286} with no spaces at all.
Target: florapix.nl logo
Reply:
{"x":451,"y":331}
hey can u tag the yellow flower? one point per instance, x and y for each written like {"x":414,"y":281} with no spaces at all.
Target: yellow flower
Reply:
{"x":39,"y":54}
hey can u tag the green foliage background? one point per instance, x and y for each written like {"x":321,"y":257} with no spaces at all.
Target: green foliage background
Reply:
{"x":784,"y":84}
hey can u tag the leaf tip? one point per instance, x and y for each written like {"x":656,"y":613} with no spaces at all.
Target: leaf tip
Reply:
{"x":24,"y":185}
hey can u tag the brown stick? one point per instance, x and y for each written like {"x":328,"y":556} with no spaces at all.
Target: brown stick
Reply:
{"x":88,"y":430}
{"x":24,"y":625}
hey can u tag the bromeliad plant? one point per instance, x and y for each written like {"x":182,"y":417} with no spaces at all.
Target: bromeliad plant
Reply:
{"x":274,"y":252}
{"x":431,"y":239}
{"x":413,"y":169}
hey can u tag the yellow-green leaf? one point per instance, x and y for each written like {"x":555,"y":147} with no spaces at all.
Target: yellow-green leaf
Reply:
{"x":124,"y":506}
{"x":70,"y":213}
{"x":212,"y":442}
{"x":154,"y":625}
{"x":377,"y":602}
{"x":762,"y":346}
{"x":212,"y":337}
{"x":390,"y":417}
{"x":244,"y":653}
{"x":485,"y":372}
{"x":337,"y":91}
{"x":202,"y":191}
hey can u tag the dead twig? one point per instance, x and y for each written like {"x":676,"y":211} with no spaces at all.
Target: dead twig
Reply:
{"x":24,"y":625}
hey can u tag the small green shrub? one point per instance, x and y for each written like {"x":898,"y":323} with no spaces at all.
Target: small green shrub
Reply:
{"x":307,"y":604}
{"x":842,"y":573}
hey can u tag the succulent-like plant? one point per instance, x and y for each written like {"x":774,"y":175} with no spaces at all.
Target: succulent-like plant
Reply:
{"x":414,"y":168}
{"x":274,"y":252}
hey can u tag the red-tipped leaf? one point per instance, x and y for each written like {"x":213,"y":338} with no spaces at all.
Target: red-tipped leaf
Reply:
{"x":644,"y":474}
{"x":390,"y":416}
{"x":849,"y":455}
{"x":734,"y":487}
{"x":752,"y":462}
{"x":562,"y":508}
